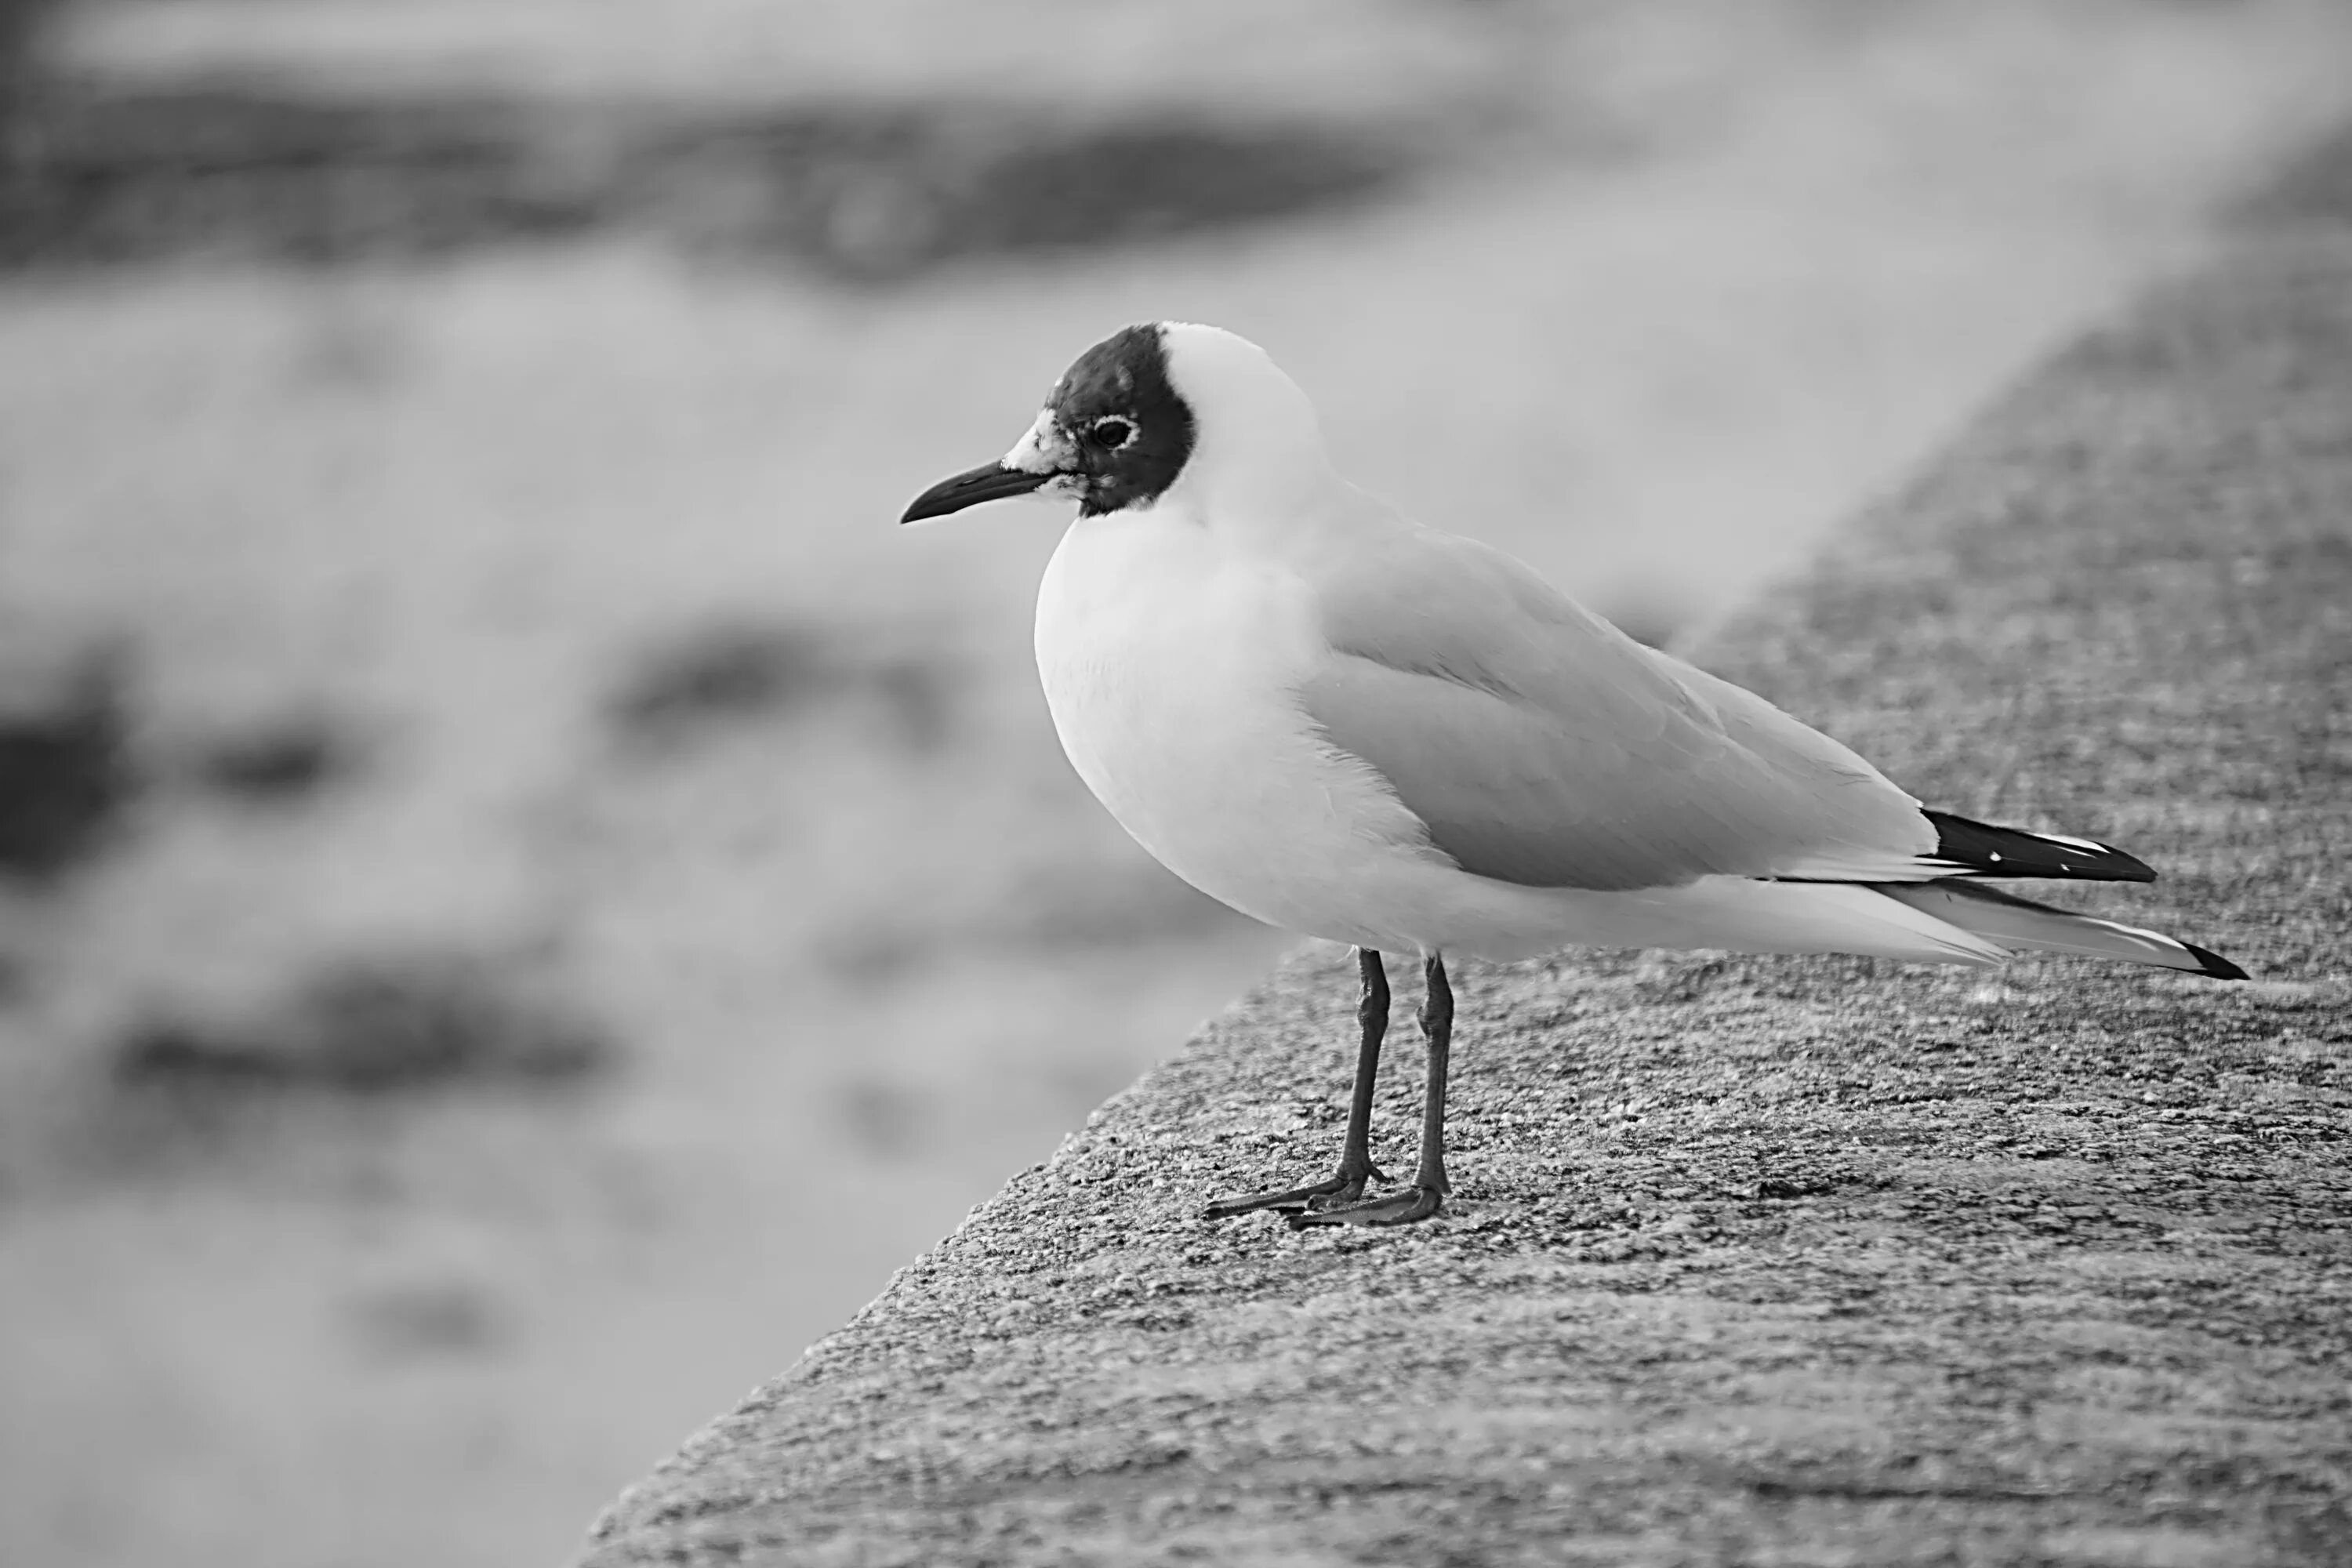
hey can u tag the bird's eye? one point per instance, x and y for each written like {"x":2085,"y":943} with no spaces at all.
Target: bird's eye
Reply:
{"x":1111,"y":432}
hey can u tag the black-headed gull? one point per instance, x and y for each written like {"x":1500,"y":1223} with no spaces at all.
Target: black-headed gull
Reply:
{"x":1343,"y":723}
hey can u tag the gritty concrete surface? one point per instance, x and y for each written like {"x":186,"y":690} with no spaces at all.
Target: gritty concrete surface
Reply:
{"x":1755,"y":1261}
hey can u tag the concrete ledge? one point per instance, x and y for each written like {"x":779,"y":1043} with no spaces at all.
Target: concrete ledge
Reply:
{"x":1755,"y":1261}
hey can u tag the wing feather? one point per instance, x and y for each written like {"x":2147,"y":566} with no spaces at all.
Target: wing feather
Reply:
{"x":1542,"y":746}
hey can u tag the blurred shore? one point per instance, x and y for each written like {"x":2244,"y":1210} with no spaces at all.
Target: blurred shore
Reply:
{"x":510,"y":860}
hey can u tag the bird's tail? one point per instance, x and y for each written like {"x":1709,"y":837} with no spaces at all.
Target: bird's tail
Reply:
{"x":2014,"y":922}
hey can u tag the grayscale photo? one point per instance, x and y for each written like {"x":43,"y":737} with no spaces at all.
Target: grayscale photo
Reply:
{"x":1358,"y":784}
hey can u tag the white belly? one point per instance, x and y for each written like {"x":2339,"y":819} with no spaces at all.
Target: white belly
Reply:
{"x":1170,"y":665}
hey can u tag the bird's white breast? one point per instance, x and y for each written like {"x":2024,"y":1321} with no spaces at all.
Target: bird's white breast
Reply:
{"x":1171,"y":663}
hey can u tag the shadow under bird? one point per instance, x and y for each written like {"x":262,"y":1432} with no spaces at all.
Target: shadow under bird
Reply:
{"x":1343,"y":723}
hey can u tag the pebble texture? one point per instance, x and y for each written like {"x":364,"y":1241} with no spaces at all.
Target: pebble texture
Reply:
{"x":1757,"y":1261}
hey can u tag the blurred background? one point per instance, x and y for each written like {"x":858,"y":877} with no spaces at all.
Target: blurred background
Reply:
{"x":523,"y":896}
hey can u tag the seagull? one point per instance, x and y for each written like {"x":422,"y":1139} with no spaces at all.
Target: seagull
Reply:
{"x":1350,"y":726}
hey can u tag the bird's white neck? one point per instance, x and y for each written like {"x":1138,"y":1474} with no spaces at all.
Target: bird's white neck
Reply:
{"x":1258,"y":464}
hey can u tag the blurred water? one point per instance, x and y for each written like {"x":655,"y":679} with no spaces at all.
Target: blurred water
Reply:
{"x":554,"y":895}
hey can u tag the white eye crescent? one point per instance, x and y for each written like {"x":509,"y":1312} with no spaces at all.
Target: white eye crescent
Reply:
{"x":1111,"y":432}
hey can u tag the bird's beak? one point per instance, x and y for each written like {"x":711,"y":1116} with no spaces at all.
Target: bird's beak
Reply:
{"x":1037,"y":460}
{"x":990,"y":481}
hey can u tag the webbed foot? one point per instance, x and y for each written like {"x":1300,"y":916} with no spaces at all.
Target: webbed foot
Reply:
{"x":1406,"y":1208}
{"x":1346,"y":1187}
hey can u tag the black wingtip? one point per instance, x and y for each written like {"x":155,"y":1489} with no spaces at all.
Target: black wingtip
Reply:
{"x":1983,"y":849}
{"x":2213,"y":963}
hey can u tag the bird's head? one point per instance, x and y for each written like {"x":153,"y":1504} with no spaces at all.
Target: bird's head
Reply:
{"x":1130,"y":417}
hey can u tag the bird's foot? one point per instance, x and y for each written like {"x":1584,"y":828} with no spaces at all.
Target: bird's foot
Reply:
{"x":1417,"y":1203}
{"x":1345,"y":1187}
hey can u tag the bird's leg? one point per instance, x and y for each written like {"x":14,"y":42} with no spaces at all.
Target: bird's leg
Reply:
{"x":1356,"y":1154}
{"x":1430,"y":1183}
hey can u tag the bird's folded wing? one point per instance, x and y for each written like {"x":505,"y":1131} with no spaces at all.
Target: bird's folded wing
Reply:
{"x":1542,"y":746}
